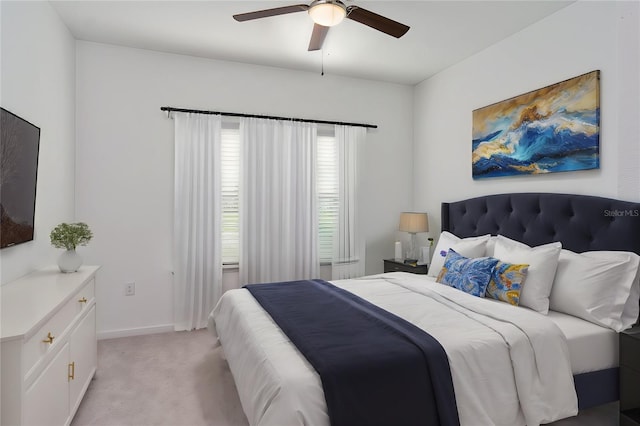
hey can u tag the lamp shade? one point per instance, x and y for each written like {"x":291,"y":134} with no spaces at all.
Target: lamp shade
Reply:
{"x":413,"y":222}
{"x":327,"y":12}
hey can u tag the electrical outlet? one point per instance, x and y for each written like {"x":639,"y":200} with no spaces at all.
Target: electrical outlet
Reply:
{"x":130,"y":289}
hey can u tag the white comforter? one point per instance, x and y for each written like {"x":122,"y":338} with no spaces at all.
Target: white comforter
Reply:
{"x":510,"y":366}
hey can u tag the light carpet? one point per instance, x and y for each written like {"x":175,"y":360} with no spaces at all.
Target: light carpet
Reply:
{"x":181,"y":379}
{"x":169,"y":379}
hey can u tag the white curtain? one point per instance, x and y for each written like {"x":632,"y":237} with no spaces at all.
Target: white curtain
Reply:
{"x":197,"y":247}
{"x":278,"y":214}
{"x":348,"y":245}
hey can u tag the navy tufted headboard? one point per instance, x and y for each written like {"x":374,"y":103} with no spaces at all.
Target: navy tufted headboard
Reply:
{"x":580,"y":222}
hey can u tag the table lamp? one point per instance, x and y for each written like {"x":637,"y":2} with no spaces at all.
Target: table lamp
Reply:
{"x":413,"y":223}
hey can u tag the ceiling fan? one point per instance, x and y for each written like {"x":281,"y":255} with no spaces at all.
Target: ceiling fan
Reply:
{"x":327,"y":13}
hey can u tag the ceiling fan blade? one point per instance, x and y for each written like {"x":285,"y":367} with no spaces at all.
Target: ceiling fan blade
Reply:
{"x":270,"y":12}
{"x":378,"y":22}
{"x":317,"y":37}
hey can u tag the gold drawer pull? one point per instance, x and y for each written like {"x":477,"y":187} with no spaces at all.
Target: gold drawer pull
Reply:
{"x":71,"y":371}
{"x":49,"y":338}
{"x":83,"y":300}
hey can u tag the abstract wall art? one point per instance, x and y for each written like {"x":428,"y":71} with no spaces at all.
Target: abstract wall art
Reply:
{"x":553,"y":129}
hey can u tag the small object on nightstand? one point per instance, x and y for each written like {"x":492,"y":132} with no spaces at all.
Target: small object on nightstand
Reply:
{"x":630,"y":377}
{"x":391,"y":265}
{"x":425,"y":255}
{"x":398,"y":250}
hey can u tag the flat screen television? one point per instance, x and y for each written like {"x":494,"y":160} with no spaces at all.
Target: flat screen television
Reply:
{"x":19,"y":146}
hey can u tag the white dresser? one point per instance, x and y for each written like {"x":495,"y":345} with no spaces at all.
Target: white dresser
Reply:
{"x":48,"y":345}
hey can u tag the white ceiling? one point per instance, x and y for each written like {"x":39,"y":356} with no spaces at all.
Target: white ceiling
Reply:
{"x":442,"y":33}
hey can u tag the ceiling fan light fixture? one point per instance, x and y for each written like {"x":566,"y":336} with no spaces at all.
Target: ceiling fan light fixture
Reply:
{"x":327,"y":12}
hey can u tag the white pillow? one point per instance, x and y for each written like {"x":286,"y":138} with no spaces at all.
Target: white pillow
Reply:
{"x":597,"y":286}
{"x":491,"y":246}
{"x":468,"y":247}
{"x":542,"y":261}
{"x":631,"y":308}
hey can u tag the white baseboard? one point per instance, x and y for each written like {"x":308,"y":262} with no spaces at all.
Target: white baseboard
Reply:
{"x":127,"y":332}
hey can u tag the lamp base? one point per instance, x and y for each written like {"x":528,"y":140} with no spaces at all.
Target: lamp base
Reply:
{"x":411,"y":255}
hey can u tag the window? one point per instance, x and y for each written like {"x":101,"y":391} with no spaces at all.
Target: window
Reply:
{"x":327,"y":189}
{"x":328,"y":202}
{"x":230,"y":186}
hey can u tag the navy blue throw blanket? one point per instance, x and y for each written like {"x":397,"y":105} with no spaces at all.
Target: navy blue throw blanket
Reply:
{"x":376,"y":368}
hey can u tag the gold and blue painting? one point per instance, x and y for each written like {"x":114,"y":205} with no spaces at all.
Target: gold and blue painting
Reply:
{"x":553,"y":129}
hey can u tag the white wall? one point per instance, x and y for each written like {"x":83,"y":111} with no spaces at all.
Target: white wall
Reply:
{"x":125,"y":158}
{"x":582,"y":37}
{"x":38,"y":83}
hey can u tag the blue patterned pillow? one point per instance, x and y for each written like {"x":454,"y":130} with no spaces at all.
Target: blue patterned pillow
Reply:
{"x":506,"y":282}
{"x":469,"y":275}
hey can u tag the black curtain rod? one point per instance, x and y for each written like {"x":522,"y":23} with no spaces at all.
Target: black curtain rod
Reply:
{"x":268,"y":117}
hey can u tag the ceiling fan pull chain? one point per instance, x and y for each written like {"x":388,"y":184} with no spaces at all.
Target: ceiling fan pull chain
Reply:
{"x":322,"y":62}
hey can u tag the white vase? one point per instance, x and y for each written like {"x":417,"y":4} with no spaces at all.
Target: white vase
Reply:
{"x":69,"y":261}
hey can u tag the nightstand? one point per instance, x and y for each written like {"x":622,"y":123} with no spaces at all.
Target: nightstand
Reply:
{"x":391,"y":265}
{"x":630,"y":377}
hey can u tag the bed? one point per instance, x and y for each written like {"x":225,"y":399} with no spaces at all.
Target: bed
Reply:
{"x":278,"y":386}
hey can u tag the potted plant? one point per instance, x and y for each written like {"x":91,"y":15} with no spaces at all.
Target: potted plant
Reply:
{"x":68,"y":236}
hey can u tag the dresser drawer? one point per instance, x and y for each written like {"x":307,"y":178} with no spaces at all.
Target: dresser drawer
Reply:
{"x":85,"y":296}
{"x":35,"y":348}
